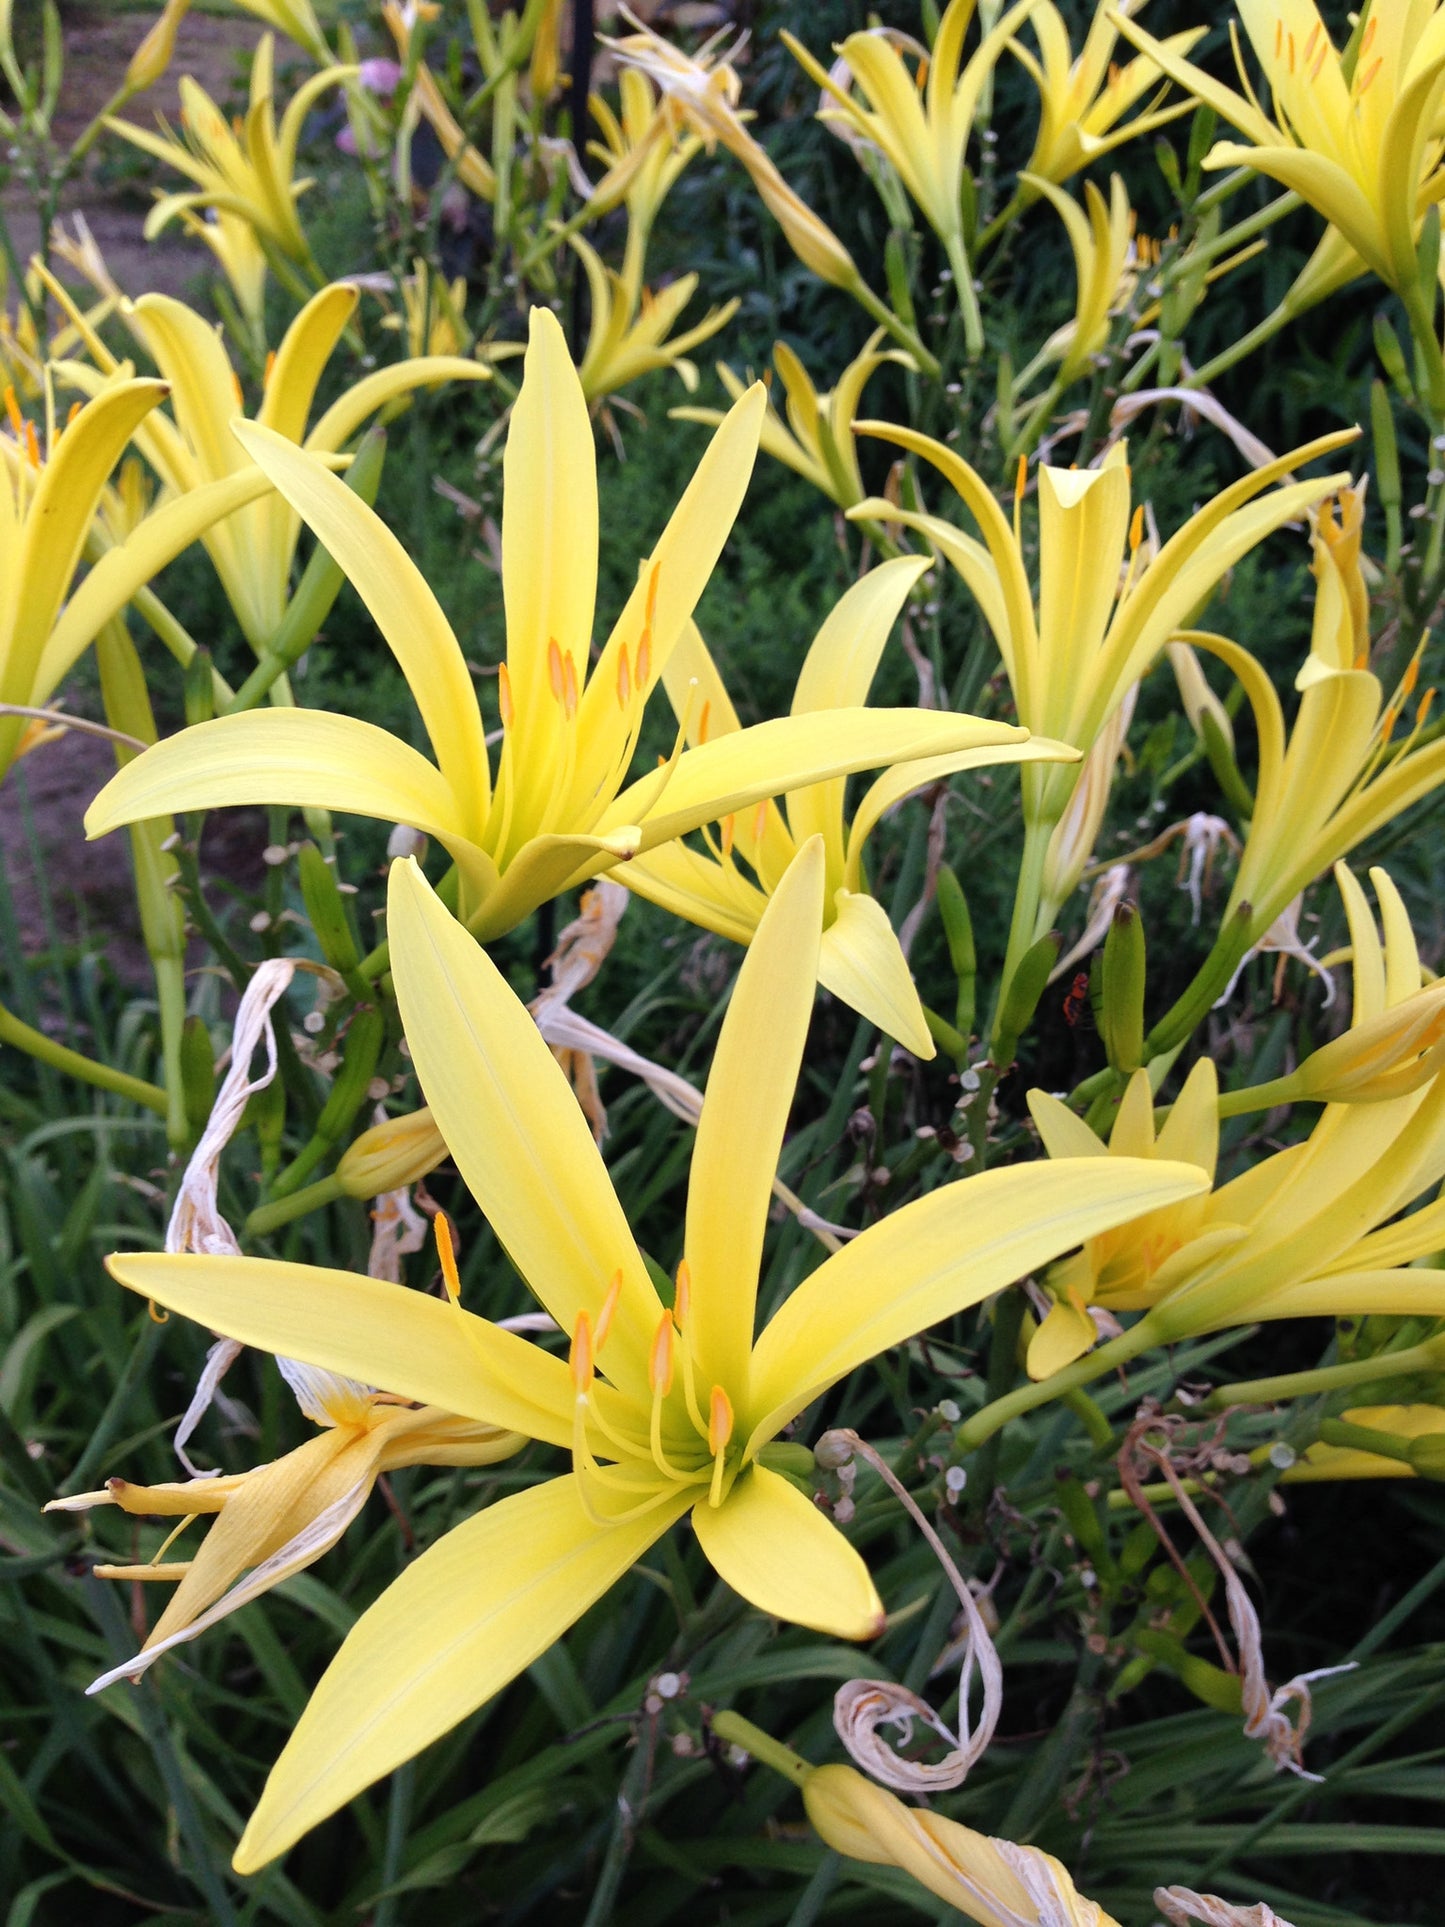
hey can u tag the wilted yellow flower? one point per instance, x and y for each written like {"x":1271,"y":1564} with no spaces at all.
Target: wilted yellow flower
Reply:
{"x":860,"y":960}
{"x":644,"y":149}
{"x":1083,"y":101}
{"x":252,"y":173}
{"x":665,"y":1411}
{"x":280,"y":1518}
{"x":816,"y":441}
{"x":993,"y":1882}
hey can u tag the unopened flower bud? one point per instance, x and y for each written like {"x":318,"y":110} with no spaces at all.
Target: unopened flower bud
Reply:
{"x":391,"y":1155}
{"x":153,"y":55}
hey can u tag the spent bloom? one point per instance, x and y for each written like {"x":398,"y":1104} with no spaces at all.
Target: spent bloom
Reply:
{"x":664,"y":1409}
{"x":558,"y":812}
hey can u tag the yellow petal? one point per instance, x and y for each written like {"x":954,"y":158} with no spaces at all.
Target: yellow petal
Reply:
{"x":1064,"y":1132}
{"x":381,"y":1334}
{"x":301,"y":360}
{"x":514,"y":1127}
{"x":938,"y":1255}
{"x":861,"y":962}
{"x":788,"y":752}
{"x":307,"y":757}
{"x":774,"y":1546}
{"x":363,"y":398}
{"x":1066,"y":1334}
{"x":744,"y":1115}
{"x":401,"y":605}
{"x":455,"y":1628}
{"x":549,"y":516}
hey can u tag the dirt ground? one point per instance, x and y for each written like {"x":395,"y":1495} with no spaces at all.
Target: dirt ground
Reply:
{"x":41,"y":841}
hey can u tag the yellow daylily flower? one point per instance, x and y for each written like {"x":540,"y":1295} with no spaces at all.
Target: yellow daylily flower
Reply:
{"x":1396,"y":1039}
{"x":665,"y":1410}
{"x":1403,"y":1422}
{"x":240,"y":257}
{"x":1102,"y":244}
{"x":559,"y":812}
{"x":1116,"y":1270}
{"x":816,"y":441}
{"x":1356,"y":133}
{"x":628,"y":335}
{"x":51,"y":485}
{"x":993,"y":1882}
{"x":297,"y":20}
{"x":921,"y":126}
{"x":195,"y":443}
{"x":1106,"y":604}
{"x":861,"y":961}
{"x":253,"y":172}
{"x":1340,"y":774}
{"x":433,"y":316}
{"x":1083,"y":100}
{"x":280,"y":1518}
{"x":643,"y":149}
{"x":1305,"y":1233}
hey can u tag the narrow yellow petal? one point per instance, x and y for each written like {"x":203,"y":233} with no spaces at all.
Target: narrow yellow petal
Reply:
{"x":938,"y":1255}
{"x":301,"y":360}
{"x":401,"y":605}
{"x":1064,"y":1132}
{"x":744,"y":1115}
{"x":861,"y":962}
{"x":1066,"y":1334}
{"x":385,"y":1335}
{"x":774,"y":1546}
{"x":514,"y":1127}
{"x":455,"y":1628}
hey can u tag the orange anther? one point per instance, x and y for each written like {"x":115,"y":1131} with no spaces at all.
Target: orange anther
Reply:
{"x":554,"y":666}
{"x":1278,"y":37}
{"x":1136,"y":528}
{"x":719,"y":1420}
{"x":644,"y":660}
{"x":1021,"y":476}
{"x":12,"y":409}
{"x":1367,"y":78}
{"x":651,"y":609}
{"x":659,"y":1361}
{"x":1387,"y":723}
{"x":609,"y":1308}
{"x":728,"y":826}
{"x":1410,"y":678}
{"x":504,"y":695}
{"x":1319,"y":61}
{"x":922,"y":74}
{"x":1362,"y":660}
{"x":237,"y":392}
{"x":702,"y":722}
{"x":580,"y":1357}
{"x":72,"y":412}
{"x":1424,"y":710}
{"x":624,"y":678}
{"x":32,"y":444}
{"x":446,"y":1251}
{"x":760,"y":820}
{"x":270,"y":367}
{"x":682,"y":1294}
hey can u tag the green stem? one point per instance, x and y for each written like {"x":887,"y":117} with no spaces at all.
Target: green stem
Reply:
{"x":737,"y":1731}
{"x":61,"y":1058}
{"x":1246,"y":345}
{"x":267,"y":1218}
{"x":1428,"y":1357}
{"x":959,"y":262}
{"x":976,"y":1431}
{"x":900,"y":331}
{"x":1028,"y":892}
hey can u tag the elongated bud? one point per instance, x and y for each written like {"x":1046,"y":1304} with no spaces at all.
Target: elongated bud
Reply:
{"x":1121,"y":998}
{"x":326,"y":908}
{"x":153,"y":55}
{"x":1387,"y":451}
{"x":1427,"y":1456}
{"x":1392,"y":360}
{"x":199,"y":689}
{"x":958,"y":935}
{"x":1021,"y":997}
{"x":388,"y":1156}
{"x":198,"y":1074}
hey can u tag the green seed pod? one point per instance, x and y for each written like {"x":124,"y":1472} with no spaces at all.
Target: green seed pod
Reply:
{"x":326,"y":907}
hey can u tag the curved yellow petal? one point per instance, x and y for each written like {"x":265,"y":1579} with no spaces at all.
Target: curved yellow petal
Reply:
{"x":514,"y":1127}
{"x":744,"y":1115}
{"x":862,"y":962}
{"x":451,"y":1631}
{"x":306,"y":757}
{"x":1064,"y":1132}
{"x":301,"y":359}
{"x":1066,"y":1334}
{"x":362,"y":399}
{"x":938,"y":1255}
{"x":736,"y":771}
{"x":385,"y":1335}
{"x":401,"y":604}
{"x":697,"y":888}
{"x":774,"y":1546}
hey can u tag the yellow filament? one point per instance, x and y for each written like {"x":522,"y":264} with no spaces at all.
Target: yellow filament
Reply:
{"x":447,"y":1253}
{"x":609,"y":1308}
{"x":155,"y":1314}
{"x":569,"y":686}
{"x":659,"y":1359}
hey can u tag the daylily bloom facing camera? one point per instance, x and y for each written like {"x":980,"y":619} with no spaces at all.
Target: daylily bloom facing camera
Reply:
{"x":665,"y":1409}
{"x":559,"y":812}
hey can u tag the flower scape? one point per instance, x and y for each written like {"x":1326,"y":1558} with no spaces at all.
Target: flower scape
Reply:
{"x":723,"y":1102}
